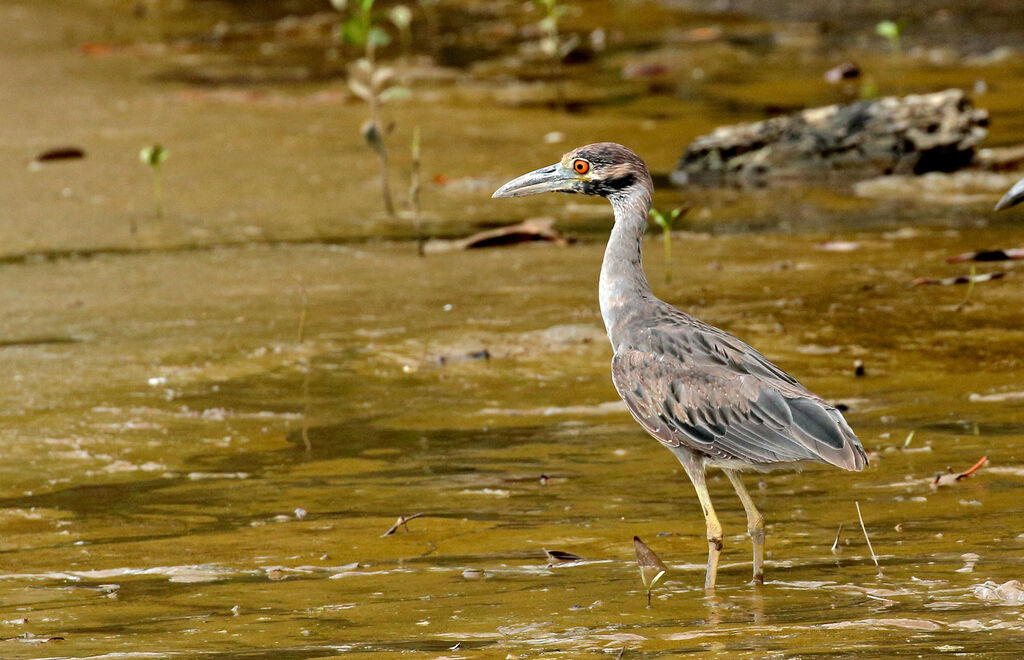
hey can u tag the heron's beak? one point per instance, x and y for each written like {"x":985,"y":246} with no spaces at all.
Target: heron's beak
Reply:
{"x":552,"y":178}
{"x":1012,"y":197}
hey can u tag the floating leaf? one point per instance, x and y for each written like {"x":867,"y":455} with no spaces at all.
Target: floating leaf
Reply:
{"x":561,"y":557}
{"x":951,"y":478}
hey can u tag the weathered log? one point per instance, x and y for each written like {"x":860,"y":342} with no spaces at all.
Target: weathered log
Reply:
{"x":909,"y":134}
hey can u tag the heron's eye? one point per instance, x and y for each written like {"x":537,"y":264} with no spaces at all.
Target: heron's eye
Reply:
{"x":581,"y":166}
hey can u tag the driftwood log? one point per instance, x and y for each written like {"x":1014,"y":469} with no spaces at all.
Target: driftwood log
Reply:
{"x":891,"y":135}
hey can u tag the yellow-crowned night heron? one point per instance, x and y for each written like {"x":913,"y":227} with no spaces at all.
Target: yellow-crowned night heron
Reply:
{"x":706,"y":395}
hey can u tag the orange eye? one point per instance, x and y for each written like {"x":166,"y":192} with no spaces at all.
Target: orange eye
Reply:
{"x":581,"y":166}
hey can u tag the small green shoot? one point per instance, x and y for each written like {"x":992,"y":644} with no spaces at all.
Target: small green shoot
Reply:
{"x":362,"y":27}
{"x":552,"y":44}
{"x":652,"y":569}
{"x":891,"y":31}
{"x":414,"y":190}
{"x":154,"y":156}
{"x":910,"y":437}
{"x":667,"y":222}
{"x":401,"y":17}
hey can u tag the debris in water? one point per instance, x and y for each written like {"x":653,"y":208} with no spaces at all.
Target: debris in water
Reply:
{"x":60,"y":153}
{"x":528,"y":231}
{"x":300,"y":513}
{"x":864,"y":529}
{"x":1008,"y":254}
{"x":1007,"y":593}
{"x":950,"y":478}
{"x":998,"y":397}
{"x":401,"y":522}
{"x":835,"y":544}
{"x":841,"y":72}
{"x":970,"y":560}
{"x":652,"y":568}
{"x":960,"y":279}
{"x":858,"y":368}
{"x":556,"y":557}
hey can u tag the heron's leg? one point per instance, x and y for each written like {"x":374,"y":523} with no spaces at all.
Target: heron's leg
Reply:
{"x":695,"y":470}
{"x":755,"y":523}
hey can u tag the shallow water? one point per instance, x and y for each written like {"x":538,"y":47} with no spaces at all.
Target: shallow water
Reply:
{"x":185,"y":471}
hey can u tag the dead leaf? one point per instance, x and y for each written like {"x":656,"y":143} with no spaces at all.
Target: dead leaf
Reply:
{"x":652,"y":568}
{"x":950,"y":479}
{"x":401,"y":522}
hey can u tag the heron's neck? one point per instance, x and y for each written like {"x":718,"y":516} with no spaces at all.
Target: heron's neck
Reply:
{"x":623,"y":286}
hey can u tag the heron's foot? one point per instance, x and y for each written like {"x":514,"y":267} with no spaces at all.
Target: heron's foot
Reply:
{"x":714,"y":551}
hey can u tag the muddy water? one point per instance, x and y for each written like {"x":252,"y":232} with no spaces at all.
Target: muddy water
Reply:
{"x":208,"y":425}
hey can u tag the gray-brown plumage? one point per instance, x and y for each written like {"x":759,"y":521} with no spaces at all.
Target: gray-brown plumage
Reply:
{"x":707,"y":396}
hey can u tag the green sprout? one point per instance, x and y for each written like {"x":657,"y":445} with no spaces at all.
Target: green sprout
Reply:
{"x":414,"y":190}
{"x":401,"y":17}
{"x":891,"y":31}
{"x":552,"y":44}
{"x":652,"y":569}
{"x":667,"y":221}
{"x":374,"y":84}
{"x":154,"y":156}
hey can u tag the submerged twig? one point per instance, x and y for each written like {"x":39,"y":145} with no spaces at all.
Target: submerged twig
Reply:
{"x":401,"y":522}
{"x":301,"y":336}
{"x":835,"y":544}
{"x":866,"y":538}
{"x":947,"y":479}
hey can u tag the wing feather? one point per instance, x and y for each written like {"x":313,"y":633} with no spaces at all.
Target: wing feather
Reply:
{"x":696,"y":386}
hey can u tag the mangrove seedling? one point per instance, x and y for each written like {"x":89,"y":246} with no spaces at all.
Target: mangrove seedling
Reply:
{"x":414,"y":191}
{"x":401,"y":17}
{"x":374,"y":84}
{"x":552,"y":44}
{"x":667,"y":221}
{"x":891,"y":32}
{"x":652,"y":569}
{"x":154,"y":156}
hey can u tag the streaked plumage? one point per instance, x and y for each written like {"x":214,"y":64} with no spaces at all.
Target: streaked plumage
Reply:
{"x":707,"y":396}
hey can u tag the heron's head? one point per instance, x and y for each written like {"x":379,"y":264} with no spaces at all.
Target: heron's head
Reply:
{"x":605,"y":168}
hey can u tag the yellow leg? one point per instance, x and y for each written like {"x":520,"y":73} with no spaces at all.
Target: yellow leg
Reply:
{"x":695,"y":470}
{"x":755,"y":524}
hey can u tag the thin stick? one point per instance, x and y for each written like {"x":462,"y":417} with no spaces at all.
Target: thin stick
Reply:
{"x":835,"y":544}
{"x":303,"y":311}
{"x":984,"y":459}
{"x":414,"y":190}
{"x":401,"y":522}
{"x":864,"y":529}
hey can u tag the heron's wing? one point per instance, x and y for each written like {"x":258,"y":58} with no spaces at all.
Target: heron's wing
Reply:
{"x":725,"y":414}
{"x":675,"y":333}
